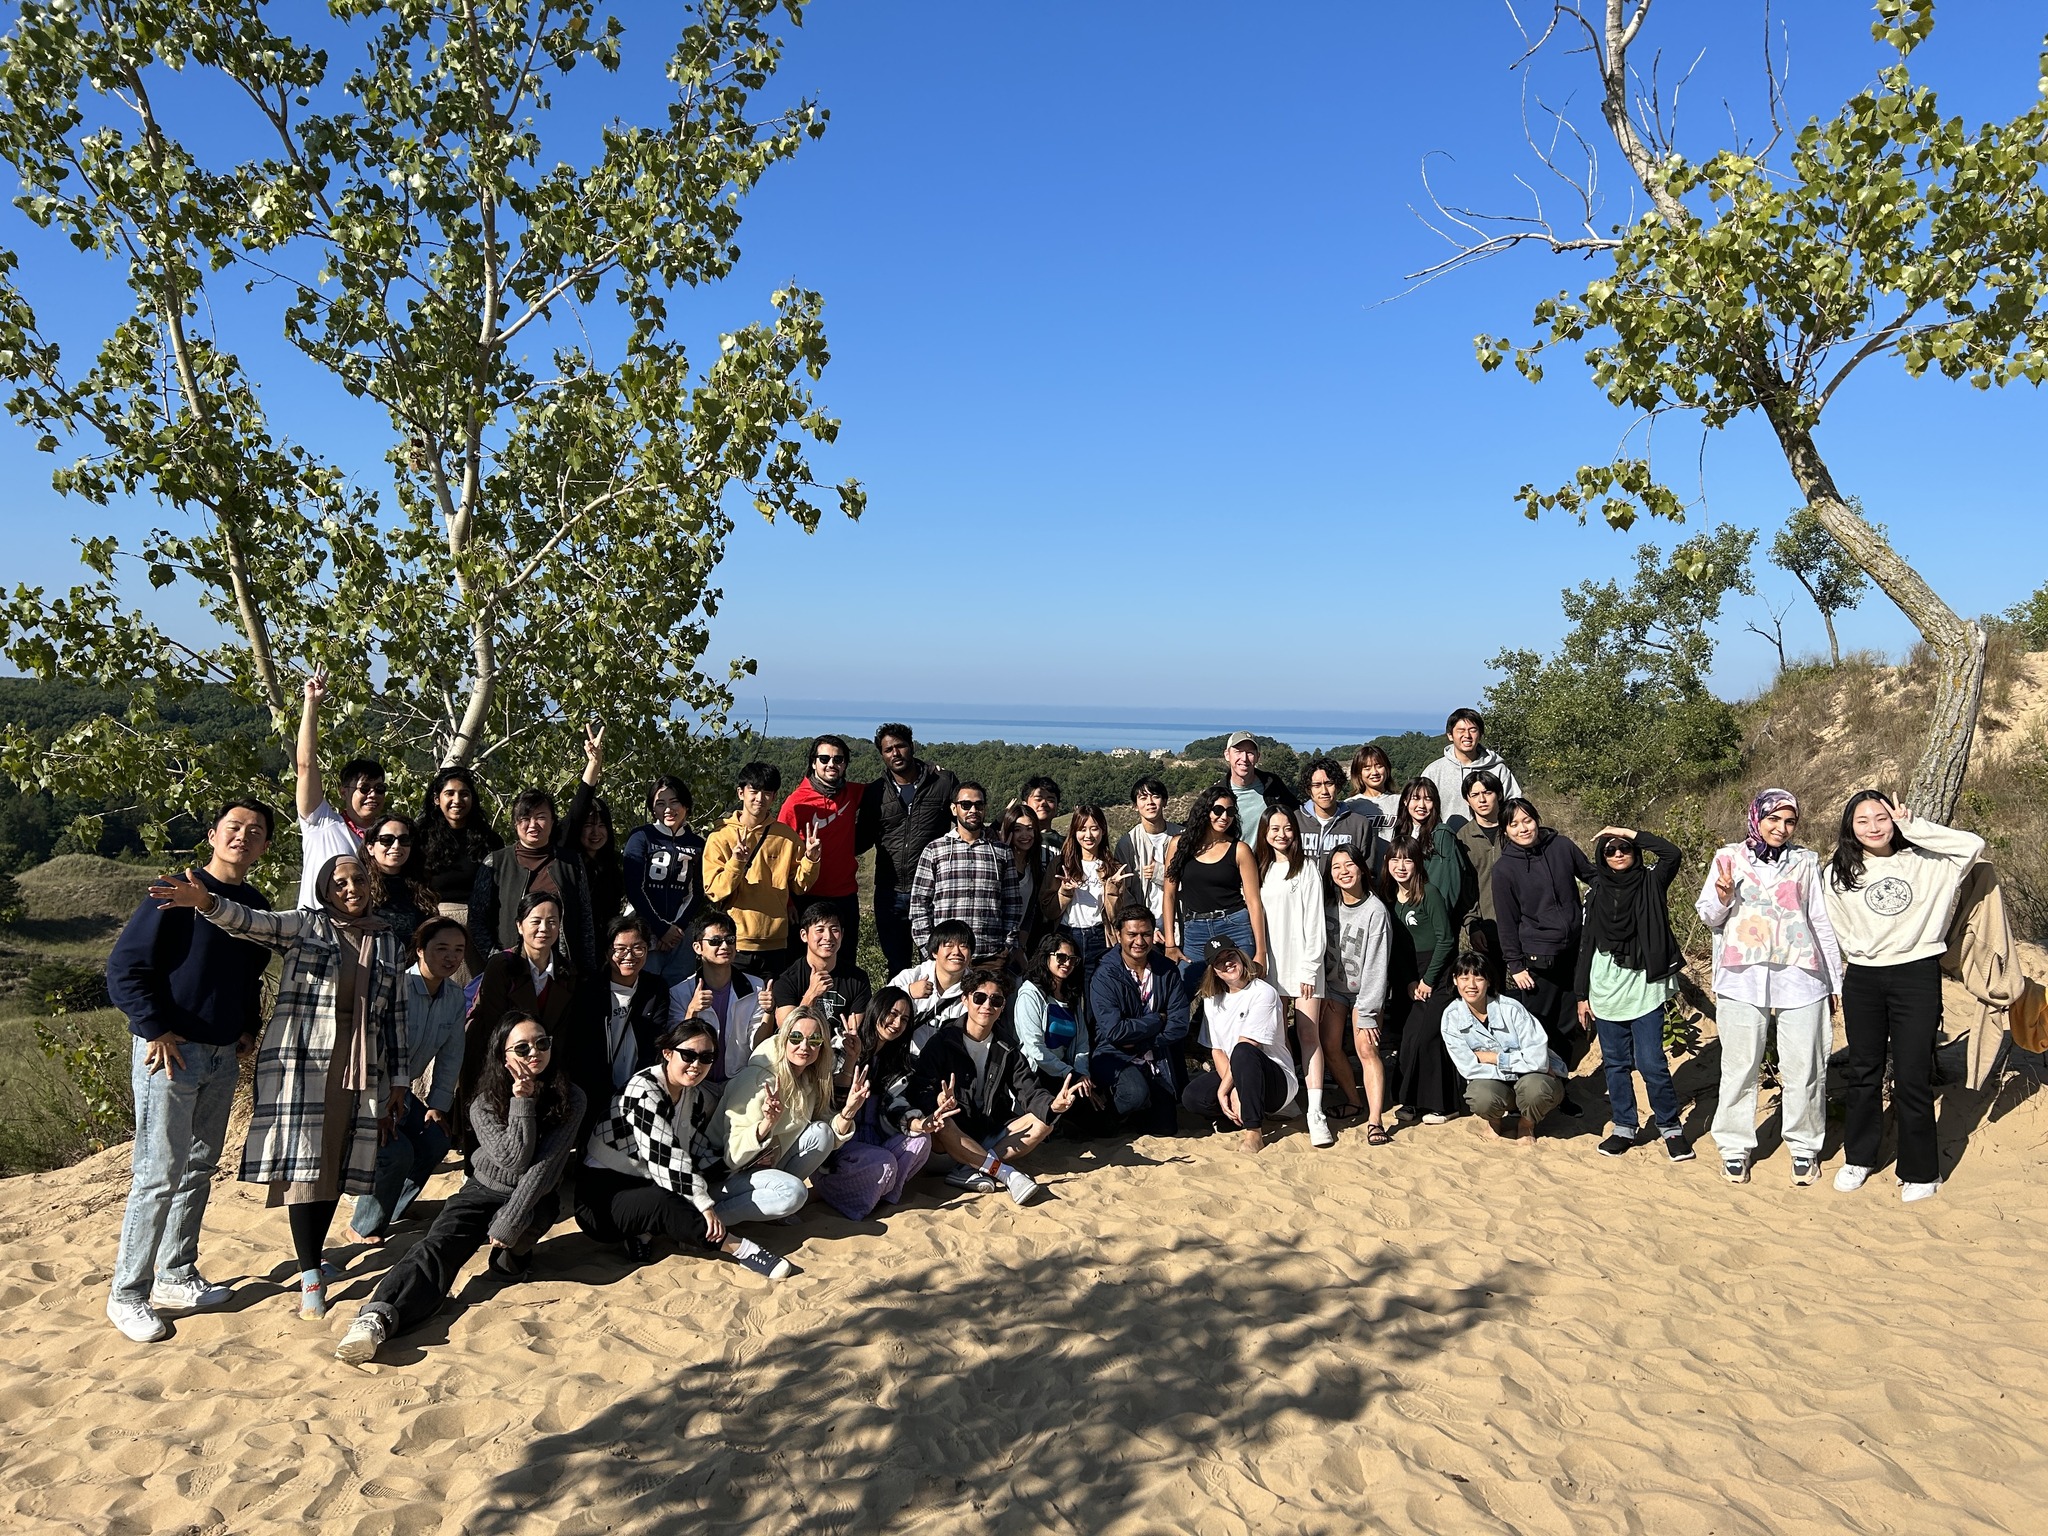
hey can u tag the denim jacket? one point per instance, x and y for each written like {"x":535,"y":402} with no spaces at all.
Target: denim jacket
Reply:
{"x":1508,"y":1029}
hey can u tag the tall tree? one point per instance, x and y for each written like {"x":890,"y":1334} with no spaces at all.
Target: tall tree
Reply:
{"x":1818,"y":563}
{"x":1761,"y":278}
{"x":561,"y":469}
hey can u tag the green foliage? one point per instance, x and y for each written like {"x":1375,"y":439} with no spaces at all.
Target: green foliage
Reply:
{"x":1888,"y":229}
{"x":65,"y":986}
{"x":544,"y":551}
{"x":1622,"y":714}
{"x":2030,"y":619}
{"x":1818,"y":563}
{"x":12,"y":908}
{"x":1681,"y":1029}
{"x":98,"y":1068}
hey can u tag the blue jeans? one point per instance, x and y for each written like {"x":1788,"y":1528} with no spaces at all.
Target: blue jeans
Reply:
{"x":1631,"y":1047}
{"x":1195,"y":935}
{"x":892,"y":930}
{"x":181,"y":1119}
{"x":404,"y":1164}
{"x":1093,"y":947}
{"x":769,"y":1194}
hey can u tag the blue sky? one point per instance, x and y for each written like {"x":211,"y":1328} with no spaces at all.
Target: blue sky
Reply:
{"x":1107,"y":288}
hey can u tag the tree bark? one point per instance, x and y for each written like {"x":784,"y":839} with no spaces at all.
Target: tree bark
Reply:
{"x":1834,"y":645}
{"x":1957,"y":643}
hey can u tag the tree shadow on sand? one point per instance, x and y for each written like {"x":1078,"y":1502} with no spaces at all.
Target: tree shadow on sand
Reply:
{"x":1056,"y":1393}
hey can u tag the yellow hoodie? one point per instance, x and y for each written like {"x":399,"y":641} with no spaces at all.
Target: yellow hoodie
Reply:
{"x":758,"y":895}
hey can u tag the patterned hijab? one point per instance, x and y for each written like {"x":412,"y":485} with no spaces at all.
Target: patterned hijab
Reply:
{"x":1769,"y":803}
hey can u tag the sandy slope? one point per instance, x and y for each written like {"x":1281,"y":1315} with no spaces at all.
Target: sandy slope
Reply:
{"x":1444,"y":1335}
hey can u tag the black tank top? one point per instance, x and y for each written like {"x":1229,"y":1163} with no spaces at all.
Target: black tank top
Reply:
{"x":1211,"y":887}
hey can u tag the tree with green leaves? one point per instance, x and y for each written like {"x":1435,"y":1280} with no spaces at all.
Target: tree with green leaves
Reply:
{"x":1621,"y":714}
{"x":1761,"y":278}
{"x":1806,"y":549}
{"x":562,"y":471}
{"x":2030,"y":618}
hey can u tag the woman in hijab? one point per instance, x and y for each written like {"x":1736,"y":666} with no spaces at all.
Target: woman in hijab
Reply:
{"x":1628,"y":969}
{"x":333,"y":1067}
{"x":1776,"y":964}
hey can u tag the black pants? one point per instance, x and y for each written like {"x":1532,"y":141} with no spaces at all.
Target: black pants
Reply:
{"x":764,"y":965}
{"x":613,"y":1206}
{"x":413,"y":1289}
{"x":1425,"y":1081}
{"x":1260,"y":1087}
{"x":1555,"y":1005}
{"x":1895,"y":1008}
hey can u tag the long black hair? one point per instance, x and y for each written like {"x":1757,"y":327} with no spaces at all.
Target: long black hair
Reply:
{"x":1846,"y":867}
{"x":1040,"y":974}
{"x":885,"y":1060}
{"x":1196,"y":837}
{"x":1405,"y":824}
{"x":494,"y":1082}
{"x":441,"y":846}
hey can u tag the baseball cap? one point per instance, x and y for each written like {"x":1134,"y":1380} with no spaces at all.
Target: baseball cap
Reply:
{"x":1241,"y":739}
{"x":1220,"y":946}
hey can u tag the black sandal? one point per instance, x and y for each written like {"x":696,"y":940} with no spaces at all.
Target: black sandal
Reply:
{"x":1344,"y":1109}
{"x":1376,"y":1135}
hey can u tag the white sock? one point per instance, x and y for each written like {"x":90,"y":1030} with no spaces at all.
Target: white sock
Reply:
{"x":746,"y":1248}
{"x":1315,"y":1102}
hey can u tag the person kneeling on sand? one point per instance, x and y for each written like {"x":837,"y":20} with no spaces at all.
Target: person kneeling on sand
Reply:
{"x":523,"y":1118}
{"x":650,"y":1164}
{"x":1244,"y":1026}
{"x":1499,"y":1048}
{"x":1004,"y":1109}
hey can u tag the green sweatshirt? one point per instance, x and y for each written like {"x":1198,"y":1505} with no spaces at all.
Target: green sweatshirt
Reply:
{"x":1432,"y":936}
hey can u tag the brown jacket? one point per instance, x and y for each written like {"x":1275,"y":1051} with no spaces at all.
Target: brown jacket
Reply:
{"x":1982,"y":956}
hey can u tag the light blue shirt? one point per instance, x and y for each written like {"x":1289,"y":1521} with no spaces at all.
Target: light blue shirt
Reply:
{"x":1508,"y":1029}
{"x":434,"y":1024}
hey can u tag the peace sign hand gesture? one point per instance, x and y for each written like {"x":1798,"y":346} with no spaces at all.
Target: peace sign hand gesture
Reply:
{"x":856,"y":1094}
{"x":1064,"y":1099}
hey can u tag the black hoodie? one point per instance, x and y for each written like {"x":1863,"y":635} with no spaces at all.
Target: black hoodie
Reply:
{"x":1536,"y":897}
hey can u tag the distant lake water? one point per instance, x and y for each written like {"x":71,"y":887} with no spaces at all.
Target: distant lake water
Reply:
{"x":1098,"y":728}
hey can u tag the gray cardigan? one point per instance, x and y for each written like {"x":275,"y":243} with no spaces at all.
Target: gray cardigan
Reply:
{"x":513,"y":1159}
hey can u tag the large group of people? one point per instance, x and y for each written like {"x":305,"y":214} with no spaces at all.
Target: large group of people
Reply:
{"x":673,"y":1039}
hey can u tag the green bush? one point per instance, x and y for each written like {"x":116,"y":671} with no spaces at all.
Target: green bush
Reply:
{"x":12,"y":909}
{"x":98,"y":1068}
{"x":65,"y":986}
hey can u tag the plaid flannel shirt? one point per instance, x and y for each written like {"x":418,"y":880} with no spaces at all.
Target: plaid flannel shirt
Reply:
{"x":975,"y":882}
{"x":643,"y":1130}
{"x":289,"y":1123}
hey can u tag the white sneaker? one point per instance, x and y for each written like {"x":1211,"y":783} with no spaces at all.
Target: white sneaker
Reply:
{"x":360,"y":1344}
{"x":1850,"y":1176}
{"x":1319,"y":1132}
{"x":1022,"y":1187}
{"x":195,"y":1295}
{"x":1911,"y":1192}
{"x":137,"y":1321}
{"x":1433,"y":1118}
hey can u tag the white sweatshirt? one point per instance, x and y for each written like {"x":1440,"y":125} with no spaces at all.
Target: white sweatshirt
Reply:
{"x":1901,"y":910}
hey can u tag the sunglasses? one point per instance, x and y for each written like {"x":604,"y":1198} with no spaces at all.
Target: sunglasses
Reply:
{"x":968,"y":805}
{"x":1220,"y":810}
{"x":815,"y":1042}
{"x":1061,"y":957}
{"x":536,"y":1047}
{"x":718,"y":941}
{"x":829,"y":760}
{"x":987,"y":999}
{"x":392,"y":840}
{"x":694,"y":1058}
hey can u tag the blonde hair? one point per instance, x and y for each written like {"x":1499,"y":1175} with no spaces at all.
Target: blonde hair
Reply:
{"x":808,"y":1097}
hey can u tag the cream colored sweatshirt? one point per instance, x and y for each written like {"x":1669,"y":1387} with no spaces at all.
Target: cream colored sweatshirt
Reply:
{"x":1901,"y":911}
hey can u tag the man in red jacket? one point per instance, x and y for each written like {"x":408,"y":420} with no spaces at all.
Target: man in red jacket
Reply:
{"x":825,"y":800}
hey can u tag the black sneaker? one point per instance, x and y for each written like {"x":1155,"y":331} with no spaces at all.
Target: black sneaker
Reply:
{"x":1678,"y":1149}
{"x":640,"y":1248}
{"x":1617,"y":1145}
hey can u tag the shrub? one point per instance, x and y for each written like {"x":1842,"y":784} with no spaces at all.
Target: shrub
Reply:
{"x":64,"y":986}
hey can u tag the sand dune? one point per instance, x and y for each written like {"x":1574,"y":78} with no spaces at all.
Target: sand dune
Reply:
{"x":1443,"y":1335}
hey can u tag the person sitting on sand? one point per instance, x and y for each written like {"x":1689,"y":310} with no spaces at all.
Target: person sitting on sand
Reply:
{"x":888,"y":1124}
{"x":1500,"y":1049}
{"x":1004,"y":1109}
{"x":933,"y":984}
{"x":523,"y":1120}
{"x":775,"y":1125}
{"x":649,"y":1169}
{"x":1244,"y":1026}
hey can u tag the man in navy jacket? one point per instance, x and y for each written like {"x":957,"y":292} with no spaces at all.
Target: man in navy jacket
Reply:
{"x":1140,"y":1027}
{"x":193,"y":996}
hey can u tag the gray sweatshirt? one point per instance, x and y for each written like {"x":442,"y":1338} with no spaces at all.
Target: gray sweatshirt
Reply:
{"x":513,"y":1159}
{"x":1448,"y":775}
{"x":1356,"y":952}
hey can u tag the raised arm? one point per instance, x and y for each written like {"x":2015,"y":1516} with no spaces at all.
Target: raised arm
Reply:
{"x":306,"y":751}
{"x":273,"y":930}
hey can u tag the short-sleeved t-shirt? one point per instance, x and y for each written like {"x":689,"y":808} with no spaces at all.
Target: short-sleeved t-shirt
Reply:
{"x":322,"y":836}
{"x":848,"y":995}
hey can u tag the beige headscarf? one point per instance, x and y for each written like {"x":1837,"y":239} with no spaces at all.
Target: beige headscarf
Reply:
{"x":355,"y":935}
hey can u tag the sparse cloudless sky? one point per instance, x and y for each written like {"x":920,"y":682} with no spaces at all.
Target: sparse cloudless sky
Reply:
{"x":1125,"y":357}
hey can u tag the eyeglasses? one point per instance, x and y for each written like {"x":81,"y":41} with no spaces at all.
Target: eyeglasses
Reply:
{"x":694,"y":1058}
{"x":718,"y":941}
{"x":627,"y":951}
{"x":813,"y":1042}
{"x":392,"y":840}
{"x":540,"y":1045}
{"x":987,"y":999}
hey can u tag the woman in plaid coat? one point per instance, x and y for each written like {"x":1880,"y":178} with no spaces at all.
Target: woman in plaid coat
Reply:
{"x":333,"y":1067}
